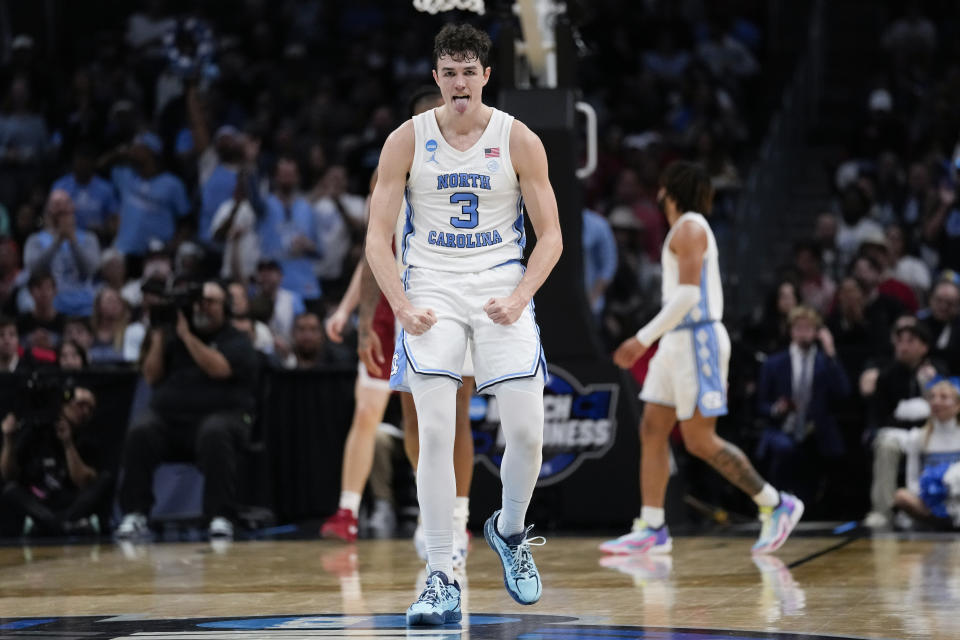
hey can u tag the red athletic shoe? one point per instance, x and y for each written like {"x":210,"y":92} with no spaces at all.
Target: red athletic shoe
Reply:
{"x":341,"y":525}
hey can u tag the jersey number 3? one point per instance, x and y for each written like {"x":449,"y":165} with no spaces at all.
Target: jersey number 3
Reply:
{"x":468,"y":218}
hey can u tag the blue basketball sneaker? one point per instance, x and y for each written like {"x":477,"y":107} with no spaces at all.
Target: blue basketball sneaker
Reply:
{"x":520,"y":575}
{"x":777,"y":523}
{"x":439,"y":603}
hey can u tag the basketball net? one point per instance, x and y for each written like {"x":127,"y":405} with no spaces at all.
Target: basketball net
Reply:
{"x":436,"y":6}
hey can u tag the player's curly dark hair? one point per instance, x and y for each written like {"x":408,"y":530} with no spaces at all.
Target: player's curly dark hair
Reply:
{"x":688,"y":183}
{"x":463,"y":43}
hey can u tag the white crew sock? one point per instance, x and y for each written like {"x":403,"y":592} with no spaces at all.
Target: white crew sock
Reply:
{"x":768,"y":496}
{"x":351,"y":501}
{"x":461,"y":513}
{"x":653,"y":516}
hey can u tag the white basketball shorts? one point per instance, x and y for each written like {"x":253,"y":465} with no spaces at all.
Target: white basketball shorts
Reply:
{"x":690,"y":370}
{"x":500,"y":352}
{"x":386,"y":332}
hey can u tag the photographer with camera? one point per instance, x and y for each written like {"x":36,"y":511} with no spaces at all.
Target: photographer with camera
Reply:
{"x":203,"y":374}
{"x":49,"y":466}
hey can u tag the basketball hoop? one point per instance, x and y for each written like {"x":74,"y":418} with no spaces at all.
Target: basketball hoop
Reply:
{"x":436,"y":6}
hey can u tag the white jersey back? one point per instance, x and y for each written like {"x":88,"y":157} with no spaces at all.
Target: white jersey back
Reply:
{"x":464,"y":210}
{"x":710,"y":307}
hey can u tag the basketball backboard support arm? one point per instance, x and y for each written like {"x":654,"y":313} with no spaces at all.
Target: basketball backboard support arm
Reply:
{"x":538,"y":40}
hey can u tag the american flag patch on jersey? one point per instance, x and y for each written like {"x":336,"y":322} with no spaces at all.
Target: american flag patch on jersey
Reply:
{"x":491,"y":152}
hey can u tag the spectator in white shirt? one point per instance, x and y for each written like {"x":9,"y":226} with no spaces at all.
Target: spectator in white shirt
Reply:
{"x":234,"y":224}
{"x":907,"y":268}
{"x":284,"y":305}
{"x":240,"y":308}
{"x":340,"y":223}
{"x":855,"y":225}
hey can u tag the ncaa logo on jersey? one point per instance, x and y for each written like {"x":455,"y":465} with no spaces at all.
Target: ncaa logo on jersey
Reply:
{"x":431,"y":147}
{"x":579,"y":424}
{"x":493,"y":166}
{"x":395,"y":366}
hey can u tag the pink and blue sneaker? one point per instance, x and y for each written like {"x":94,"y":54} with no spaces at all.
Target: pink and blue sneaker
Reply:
{"x":777,"y":523}
{"x":641,"y":539}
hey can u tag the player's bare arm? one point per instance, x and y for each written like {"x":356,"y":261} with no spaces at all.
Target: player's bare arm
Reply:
{"x":369,"y":349}
{"x":395,"y":160}
{"x":362,"y":283}
{"x":338,"y":319}
{"x":530,"y":162}
{"x":689,"y":244}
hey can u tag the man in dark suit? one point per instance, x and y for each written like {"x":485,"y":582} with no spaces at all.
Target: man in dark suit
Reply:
{"x":796,"y":389}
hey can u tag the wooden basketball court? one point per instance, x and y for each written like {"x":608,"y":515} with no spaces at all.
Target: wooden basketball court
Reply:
{"x":709,"y":588}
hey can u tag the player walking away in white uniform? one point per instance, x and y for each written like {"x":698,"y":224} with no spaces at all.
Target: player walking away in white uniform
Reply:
{"x":375,"y":328}
{"x":464,"y":167}
{"x":687,"y":378}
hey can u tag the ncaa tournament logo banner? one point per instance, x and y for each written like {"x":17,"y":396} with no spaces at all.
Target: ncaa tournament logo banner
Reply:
{"x":579,"y":424}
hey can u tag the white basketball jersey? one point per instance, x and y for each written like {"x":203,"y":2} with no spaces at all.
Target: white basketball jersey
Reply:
{"x":710,"y":307}
{"x":464,"y":210}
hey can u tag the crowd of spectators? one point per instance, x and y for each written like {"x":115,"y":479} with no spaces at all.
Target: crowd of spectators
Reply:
{"x":168,"y":143}
{"x":878,"y":277}
{"x":194,"y":142}
{"x":687,"y":88}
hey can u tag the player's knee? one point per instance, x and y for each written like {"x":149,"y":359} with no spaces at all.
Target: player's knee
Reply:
{"x":652,"y":433}
{"x":527,"y":438}
{"x":886,"y":442}
{"x":436,"y":438}
{"x":697,"y":444}
{"x":367,"y":415}
{"x":521,"y":412}
{"x":436,"y":427}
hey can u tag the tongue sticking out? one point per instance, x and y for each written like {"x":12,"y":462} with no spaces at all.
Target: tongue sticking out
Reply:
{"x":460,"y":103}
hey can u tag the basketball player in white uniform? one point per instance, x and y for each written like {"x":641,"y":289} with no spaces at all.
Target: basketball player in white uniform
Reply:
{"x":464,"y":167}
{"x":687,"y":378}
{"x":376,"y":331}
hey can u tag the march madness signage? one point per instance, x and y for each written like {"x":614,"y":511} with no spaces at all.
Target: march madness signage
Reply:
{"x":579,"y":424}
